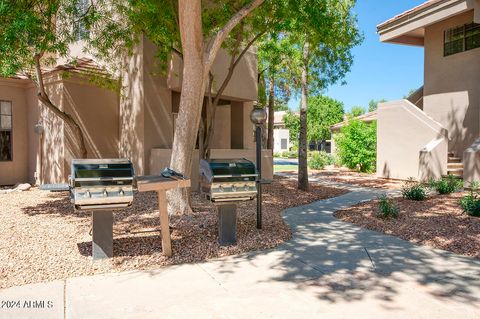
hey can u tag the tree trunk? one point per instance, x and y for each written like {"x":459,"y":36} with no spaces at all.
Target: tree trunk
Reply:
{"x":271,"y":109}
{"x":197,"y":63}
{"x":303,"y":143}
{"x":193,"y":88}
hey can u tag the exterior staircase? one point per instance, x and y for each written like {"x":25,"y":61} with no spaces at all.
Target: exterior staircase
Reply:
{"x":455,"y":165}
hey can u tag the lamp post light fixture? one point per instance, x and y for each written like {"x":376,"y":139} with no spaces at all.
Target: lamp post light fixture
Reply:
{"x":258,"y":116}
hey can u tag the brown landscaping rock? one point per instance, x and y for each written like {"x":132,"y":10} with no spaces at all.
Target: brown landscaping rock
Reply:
{"x":42,"y":238}
{"x":356,"y":178}
{"x":437,"y":222}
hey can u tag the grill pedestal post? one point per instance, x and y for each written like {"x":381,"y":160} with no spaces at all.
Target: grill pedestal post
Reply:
{"x":102,"y":234}
{"x":227,"y":224}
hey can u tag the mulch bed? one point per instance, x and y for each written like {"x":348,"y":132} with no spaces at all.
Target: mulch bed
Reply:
{"x":437,"y":222}
{"x":356,"y":178}
{"x":42,"y":238}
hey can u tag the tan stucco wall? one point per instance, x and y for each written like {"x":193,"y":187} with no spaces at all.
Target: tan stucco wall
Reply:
{"x":33,"y":113}
{"x":451,"y":94}
{"x":16,"y":170}
{"x":158,"y":119}
{"x":403,"y":131}
{"x":52,"y":152}
{"x":95,"y":109}
{"x":471,"y":163}
{"x":222,"y":130}
{"x":132,"y":110}
{"x":242,"y":85}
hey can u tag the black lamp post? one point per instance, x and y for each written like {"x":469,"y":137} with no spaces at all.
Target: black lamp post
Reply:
{"x":258,"y":116}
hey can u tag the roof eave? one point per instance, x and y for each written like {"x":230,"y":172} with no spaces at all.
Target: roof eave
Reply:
{"x":404,"y":28}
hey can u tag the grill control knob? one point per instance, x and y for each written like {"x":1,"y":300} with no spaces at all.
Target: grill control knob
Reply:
{"x":87,"y":194}
{"x":121,"y":192}
{"x":105,"y":194}
{"x":234,"y":189}
{"x":220,"y":188}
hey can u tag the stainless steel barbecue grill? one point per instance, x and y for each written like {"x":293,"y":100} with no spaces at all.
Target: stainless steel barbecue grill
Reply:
{"x":99,"y":184}
{"x":227,"y":180}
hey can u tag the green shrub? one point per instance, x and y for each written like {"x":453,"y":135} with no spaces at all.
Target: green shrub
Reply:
{"x":414,"y":191}
{"x":319,"y":160}
{"x":277,"y":154}
{"x":446,"y":185}
{"x":471,"y":203}
{"x":357,"y":145}
{"x":387,"y":208}
{"x":289,"y":154}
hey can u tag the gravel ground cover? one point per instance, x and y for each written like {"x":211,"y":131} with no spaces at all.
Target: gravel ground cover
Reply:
{"x":342,"y":175}
{"x":356,"y":178}
{"x":42,"y":238}
{"x":437,"y":222}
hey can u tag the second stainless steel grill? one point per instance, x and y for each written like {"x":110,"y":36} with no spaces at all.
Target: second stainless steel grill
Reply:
{"x":101,"y":183}
{"x":225,"y":180}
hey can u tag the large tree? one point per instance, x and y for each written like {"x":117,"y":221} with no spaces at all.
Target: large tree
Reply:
{"x":323,"y":36}
{"x":198,"y":57}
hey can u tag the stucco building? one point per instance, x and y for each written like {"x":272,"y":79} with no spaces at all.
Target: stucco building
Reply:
{"x":281,"y":134}
{"x":436,"y":130}
{"x":139,"y":123}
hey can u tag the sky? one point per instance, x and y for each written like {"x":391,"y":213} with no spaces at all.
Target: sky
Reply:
{"x":380,"y":70}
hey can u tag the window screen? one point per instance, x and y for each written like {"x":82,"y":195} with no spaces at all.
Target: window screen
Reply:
{"x":472,"y":36}
{"x":283,"y":143}
{"x":5,"y":131}
{"x":462,"y":38}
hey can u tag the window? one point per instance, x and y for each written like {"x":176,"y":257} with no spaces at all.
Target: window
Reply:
{"x":80,"y":29}
{"x":462,"y":38}
{"x":283,"y":144}
{"x":5,"y":131}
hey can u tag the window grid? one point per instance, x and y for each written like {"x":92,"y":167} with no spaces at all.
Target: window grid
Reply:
{"x":462,"y":38}
{"x":6,"y":125}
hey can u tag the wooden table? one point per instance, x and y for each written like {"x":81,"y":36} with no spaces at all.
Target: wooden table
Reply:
{"x":161,"y":185}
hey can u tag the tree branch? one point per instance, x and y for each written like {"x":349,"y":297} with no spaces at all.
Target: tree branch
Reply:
{"x":43,"y":97}
{"x":223,"y":33}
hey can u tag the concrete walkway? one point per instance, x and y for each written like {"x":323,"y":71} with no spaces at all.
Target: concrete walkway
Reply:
{"x":330,"y":269}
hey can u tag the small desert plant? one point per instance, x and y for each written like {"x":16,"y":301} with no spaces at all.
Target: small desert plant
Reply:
{"x":446,"y":185}
{"x":387,"y":208}
{"x":471,"y":203}
{"x":319,"y":160}
{"x":414,"y":190}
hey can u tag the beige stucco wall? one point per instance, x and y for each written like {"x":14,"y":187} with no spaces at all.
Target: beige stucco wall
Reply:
{"x":132,"y":110}
{"x":242,"y":85}
{"x":95,"y":109}
{"x":408,"y":143}
{"x":158,"y":119}
{"x":451,"y":94}
{"x":471,"y":163}
{"x":222,"y":128}
{"x":33,"y":112}
{"x":15,"y":171}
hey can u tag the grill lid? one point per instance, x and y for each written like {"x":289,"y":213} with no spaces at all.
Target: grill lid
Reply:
{"x":231,"y":167}
{"x":90,"y":172}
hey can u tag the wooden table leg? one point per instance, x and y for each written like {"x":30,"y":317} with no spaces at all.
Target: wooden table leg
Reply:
{"x":164,"y":223}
